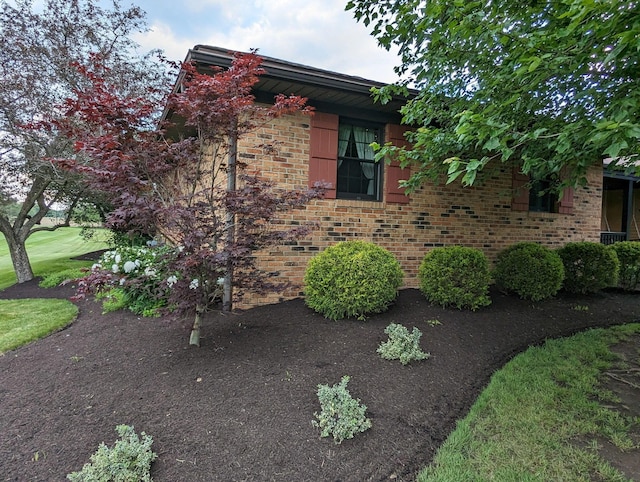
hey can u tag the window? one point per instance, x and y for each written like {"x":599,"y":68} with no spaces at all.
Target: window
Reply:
{"x":340,"y":147}
{"x":358,"y":174}
{"x":541,"y":199}
{"x":538,"y":195}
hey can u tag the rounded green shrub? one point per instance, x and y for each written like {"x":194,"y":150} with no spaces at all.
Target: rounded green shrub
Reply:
{"x":352,"y":279}
{"x":588,"y":266}
{"x":455,"y":276}
{"x":532,"y":271}
{"x":628,"y":253}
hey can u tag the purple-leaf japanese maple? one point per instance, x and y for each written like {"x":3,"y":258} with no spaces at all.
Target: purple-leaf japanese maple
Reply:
{"x":190,"y":188}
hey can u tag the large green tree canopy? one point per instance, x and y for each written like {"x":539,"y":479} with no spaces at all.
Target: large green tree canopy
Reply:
{"x":552,"y":86}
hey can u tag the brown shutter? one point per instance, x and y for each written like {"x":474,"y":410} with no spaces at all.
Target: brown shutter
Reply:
{"x":520,"y":200}
{"x":393,"y":172}
{"x":565,"y":204}
{"x":323,"y":152}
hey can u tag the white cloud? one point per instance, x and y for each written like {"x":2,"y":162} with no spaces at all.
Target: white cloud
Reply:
{"x":318,"y":33}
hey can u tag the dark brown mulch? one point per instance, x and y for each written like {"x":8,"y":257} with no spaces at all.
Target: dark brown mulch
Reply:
{"x":240,"y":407}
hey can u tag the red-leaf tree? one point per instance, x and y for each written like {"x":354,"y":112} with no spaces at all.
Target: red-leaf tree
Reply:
{"x":193,"y":191}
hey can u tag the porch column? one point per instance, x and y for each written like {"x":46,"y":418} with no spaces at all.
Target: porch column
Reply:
{"x":627,"y":208}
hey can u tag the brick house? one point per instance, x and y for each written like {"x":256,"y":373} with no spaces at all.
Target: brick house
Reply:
{"x":365,"y":201}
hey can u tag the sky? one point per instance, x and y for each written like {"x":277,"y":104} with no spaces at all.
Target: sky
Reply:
{"x":316,"y":33}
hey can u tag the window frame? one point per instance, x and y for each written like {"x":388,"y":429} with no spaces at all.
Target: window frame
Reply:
{"x":378,"y":178}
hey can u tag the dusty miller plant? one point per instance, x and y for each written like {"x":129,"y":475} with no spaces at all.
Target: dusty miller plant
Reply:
{"x":402,"y":345}
{"x":341,"y":416}
{"x":129,"y":460}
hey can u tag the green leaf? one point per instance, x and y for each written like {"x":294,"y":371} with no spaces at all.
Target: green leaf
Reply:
{"x":474,"y":164}
{"x":492,"y":144}
{"x":534,"y":64}
{"x":453,"y":176}
{"x":614,"y":149}
{"x":538,"y":132}
{"x":454,"y":165}
{"x":469,"y":178}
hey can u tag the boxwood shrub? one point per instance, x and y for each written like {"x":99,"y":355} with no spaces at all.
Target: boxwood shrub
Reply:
{"x":352,"y":279}
{"x":455,"y":276}
{"x":530,"y":270}
{"x":628,"y":253}
{"x":588,"y":266}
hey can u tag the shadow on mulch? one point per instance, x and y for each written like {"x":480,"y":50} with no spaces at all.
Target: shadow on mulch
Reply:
{"x":240,"y":407}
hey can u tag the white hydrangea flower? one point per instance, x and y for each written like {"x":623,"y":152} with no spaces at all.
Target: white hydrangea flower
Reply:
{"x":118,"y":258}
{"x":171,"y":280}
{"x":149,"y":271}
{"x":122,"y":281}
{"x":137,"y":261}
{"x":129,"y":266}
{"x":96,"y":266}
{"x":194,"y":284}
{"x":115,"y":268}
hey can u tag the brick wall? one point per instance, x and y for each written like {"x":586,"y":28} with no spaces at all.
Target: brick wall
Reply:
{"x":437,"y":215}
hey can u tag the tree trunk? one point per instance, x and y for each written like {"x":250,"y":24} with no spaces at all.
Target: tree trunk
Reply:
{"x":194,"y":338}
{"x":20,"y":259}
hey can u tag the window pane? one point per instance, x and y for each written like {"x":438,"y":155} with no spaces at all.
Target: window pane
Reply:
{"x":358,"y":173}
{"x":540,"y":197}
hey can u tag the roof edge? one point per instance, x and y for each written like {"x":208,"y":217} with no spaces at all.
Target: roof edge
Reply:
{"x":281,"y":69}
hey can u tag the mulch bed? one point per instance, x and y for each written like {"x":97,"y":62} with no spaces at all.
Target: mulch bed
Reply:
{"x":240,"y":407}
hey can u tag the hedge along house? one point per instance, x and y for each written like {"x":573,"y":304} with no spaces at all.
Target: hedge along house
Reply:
{"x":365,"y":201}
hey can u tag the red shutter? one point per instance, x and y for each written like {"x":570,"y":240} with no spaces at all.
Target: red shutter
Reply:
{"x":520,"y":200}
{"x":323,"y":151}
{"x":393,"y":173}
{"x":565,"y":204}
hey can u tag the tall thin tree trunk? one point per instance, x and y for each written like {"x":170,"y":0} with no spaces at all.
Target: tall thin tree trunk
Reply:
{"x":194,"y":338}
{"x":19,"y":258}
{"x":227,"y":287}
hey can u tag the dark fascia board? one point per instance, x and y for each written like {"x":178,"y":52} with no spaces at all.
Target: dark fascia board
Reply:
{"x":620,"y":175}
{"x":614,"y":171}
{"x":292,"y":72}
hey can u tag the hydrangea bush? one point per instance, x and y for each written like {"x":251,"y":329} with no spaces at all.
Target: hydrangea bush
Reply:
{"x":135,"y":275}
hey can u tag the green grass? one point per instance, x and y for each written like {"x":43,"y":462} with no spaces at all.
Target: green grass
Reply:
{"x":23,"y":321}
{"x":50,"y":252}
{"x":522,"y":426}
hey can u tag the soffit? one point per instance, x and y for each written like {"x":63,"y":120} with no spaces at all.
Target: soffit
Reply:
{"x":327,"y":91}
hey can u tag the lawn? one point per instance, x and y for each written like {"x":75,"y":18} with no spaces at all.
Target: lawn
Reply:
{"x":23,"y":321}
{"x":51,"y":251}
{"x":525,"y":423}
